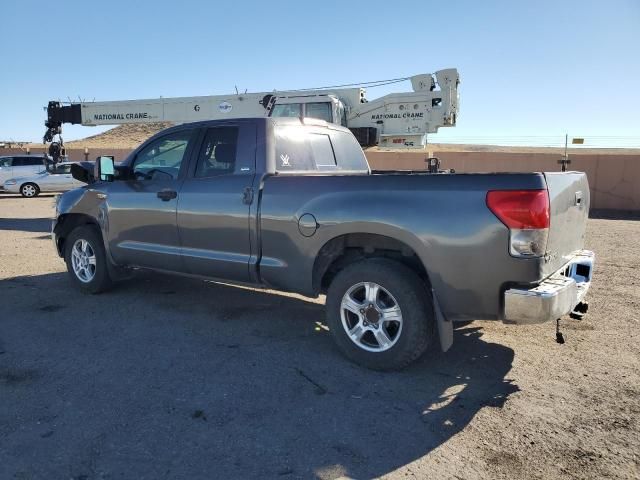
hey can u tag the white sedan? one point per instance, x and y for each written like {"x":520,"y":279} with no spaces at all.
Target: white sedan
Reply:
{"x":57,"y":179}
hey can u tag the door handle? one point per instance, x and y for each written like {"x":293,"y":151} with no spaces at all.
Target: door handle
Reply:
{"x":166,"y":195}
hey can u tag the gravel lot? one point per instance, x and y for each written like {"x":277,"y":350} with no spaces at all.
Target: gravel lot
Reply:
{"x":173,"y":378}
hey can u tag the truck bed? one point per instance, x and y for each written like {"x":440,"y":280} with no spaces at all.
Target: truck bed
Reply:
{"x":442,"y":218}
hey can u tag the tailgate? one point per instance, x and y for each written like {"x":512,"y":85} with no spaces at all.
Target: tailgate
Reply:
{"x":569,"y":203}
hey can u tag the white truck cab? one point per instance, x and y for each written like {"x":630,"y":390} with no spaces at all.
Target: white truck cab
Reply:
{"x":323,"y":107}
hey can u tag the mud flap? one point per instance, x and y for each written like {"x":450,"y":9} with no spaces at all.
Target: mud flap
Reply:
{"x":116,"y":273}
{"x":445,"y":327}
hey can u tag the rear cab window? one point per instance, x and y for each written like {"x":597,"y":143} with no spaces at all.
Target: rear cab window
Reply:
{"x":321,"y":150}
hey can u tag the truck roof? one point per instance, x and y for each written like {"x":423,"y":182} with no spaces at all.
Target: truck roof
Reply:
{"x":335,"y":151}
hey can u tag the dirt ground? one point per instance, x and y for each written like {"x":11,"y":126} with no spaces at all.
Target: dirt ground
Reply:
{"x":172,"y":378}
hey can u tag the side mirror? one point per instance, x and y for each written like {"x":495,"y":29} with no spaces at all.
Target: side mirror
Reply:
{"x":105,"y":169}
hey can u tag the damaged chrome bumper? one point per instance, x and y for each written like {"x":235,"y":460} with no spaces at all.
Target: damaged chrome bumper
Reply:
{"x":553,"y":298}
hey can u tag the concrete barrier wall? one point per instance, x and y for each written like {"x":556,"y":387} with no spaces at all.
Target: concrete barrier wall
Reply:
{"x":75,"y":155}
{"x":614,"y":179}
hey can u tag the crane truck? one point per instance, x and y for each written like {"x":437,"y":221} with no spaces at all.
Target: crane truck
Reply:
{"x":397,"y":120}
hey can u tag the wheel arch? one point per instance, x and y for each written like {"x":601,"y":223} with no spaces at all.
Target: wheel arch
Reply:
{"x":66,"y":223}
{"x":347,"y":248}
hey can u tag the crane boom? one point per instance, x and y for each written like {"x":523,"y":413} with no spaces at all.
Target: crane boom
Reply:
{"x":394,"y":120}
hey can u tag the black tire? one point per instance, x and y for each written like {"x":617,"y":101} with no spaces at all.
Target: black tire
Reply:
{"x":101,"y":281}
{"x":408,"y":291}
{"x":29,"y":190}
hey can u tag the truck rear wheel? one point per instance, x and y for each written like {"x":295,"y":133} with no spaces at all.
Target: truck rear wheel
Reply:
{"x":380,"y":314}
{"x":86,"y":260}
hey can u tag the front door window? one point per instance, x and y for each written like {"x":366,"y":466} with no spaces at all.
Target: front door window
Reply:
{"x":163,"y":158}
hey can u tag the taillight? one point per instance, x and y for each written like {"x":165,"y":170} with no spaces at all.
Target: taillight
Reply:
{"x":520,"y":208}
{"x":526,"y":214}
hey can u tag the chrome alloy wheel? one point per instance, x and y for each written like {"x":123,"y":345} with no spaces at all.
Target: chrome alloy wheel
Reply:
{"x":29,"y":190}
{"x":371,"y":317}
{"x":83,"y":260}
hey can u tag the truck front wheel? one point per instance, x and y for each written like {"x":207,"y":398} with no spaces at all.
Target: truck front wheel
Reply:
{"x":86,"y":260}
{"x":380,"y":314}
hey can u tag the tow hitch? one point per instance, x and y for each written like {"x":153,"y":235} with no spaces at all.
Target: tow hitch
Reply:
{"x":559,"y":336}
{"x":579,"y":311}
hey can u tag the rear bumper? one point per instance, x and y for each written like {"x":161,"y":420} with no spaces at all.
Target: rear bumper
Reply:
{"x":554,"y":297}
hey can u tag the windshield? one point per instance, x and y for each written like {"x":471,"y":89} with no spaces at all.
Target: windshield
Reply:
{"x":319,"y":110}
{"x":286,"y":110}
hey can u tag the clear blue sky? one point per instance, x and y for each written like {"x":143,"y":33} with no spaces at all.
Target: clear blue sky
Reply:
{"x":527,"y":68}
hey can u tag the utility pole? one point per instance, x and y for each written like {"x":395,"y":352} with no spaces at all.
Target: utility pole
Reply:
{"x":565,"y":159}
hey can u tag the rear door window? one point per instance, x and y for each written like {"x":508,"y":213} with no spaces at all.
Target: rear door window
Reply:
{"x":5,"y":162}
{"x":218,"y":153}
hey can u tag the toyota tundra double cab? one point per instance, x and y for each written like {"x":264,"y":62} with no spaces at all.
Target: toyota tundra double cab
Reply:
{"x":292,"y":205}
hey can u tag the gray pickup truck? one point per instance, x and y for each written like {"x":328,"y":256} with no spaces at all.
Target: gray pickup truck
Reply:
{"x":292,"y":205}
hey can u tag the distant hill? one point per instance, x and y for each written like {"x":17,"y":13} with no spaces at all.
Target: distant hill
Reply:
{"x":12,"y":144}
{"x":122,"y":136}
{"x":129,"y":136}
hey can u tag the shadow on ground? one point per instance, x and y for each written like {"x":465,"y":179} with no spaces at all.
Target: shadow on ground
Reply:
{"x":167,"y":377}
{"x":8,"y":195}
{"x":26,"y":224}
{"x":614,"y":214}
